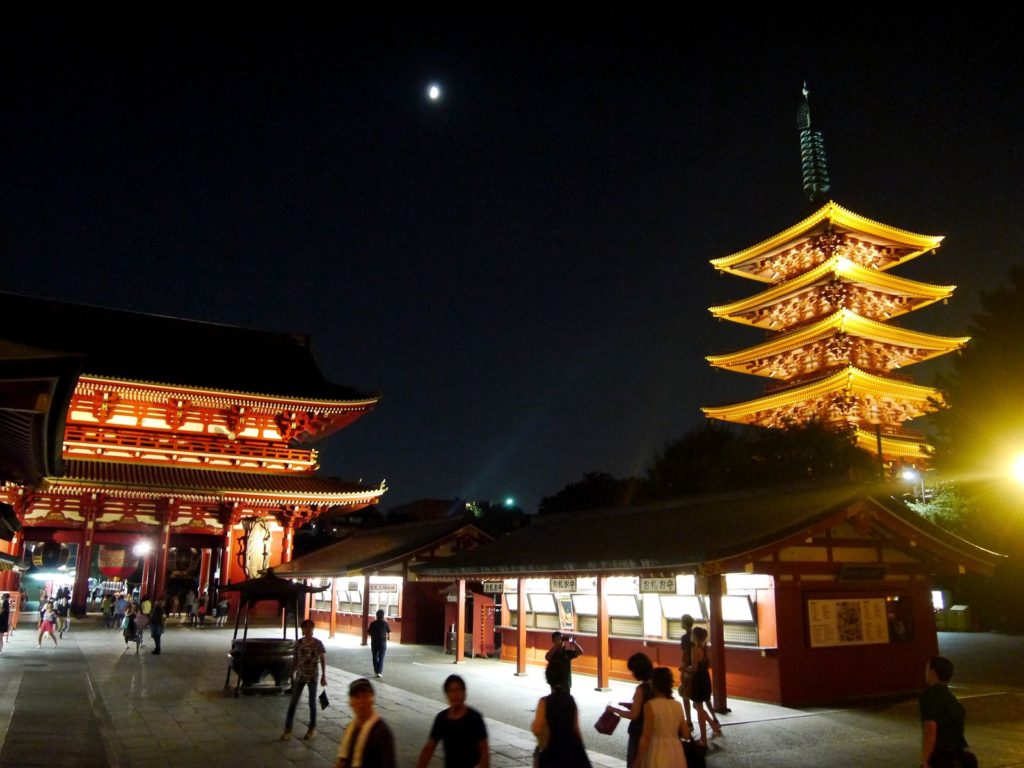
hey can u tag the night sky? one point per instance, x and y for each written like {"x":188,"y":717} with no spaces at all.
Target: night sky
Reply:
{"x":521,"y":268}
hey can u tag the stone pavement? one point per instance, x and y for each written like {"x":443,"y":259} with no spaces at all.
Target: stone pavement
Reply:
{"x":89,"y":703}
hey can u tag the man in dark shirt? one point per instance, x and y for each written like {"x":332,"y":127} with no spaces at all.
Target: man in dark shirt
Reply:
{"x":379,"y":633}
{"x":942,"y":717}
{"x":460,"y":728}
{"x":559,"y":657}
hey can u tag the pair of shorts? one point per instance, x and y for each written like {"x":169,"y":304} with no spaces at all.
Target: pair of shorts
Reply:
{"x":46,"y":626}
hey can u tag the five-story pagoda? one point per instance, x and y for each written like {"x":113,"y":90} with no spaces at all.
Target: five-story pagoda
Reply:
{"x":833,"y":351}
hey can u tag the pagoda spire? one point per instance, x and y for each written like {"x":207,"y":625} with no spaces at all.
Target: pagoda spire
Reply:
{"x":812,"y":155}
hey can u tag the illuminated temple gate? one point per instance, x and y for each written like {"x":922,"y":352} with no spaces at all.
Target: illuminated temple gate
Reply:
{"x":119,"y":429}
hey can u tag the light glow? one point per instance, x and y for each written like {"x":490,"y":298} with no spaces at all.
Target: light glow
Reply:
{"x":434,"y":92}
{"x":1017,"y":468}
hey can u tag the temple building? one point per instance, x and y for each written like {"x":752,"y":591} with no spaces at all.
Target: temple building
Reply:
{"x":833,"y":351}
{"x":131,"y":440}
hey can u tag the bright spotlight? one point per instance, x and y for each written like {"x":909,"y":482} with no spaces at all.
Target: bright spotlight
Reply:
{"x":1017,"y":468}
{"x":142,"y":549}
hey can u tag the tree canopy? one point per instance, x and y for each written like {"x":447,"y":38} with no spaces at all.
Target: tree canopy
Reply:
{"x":717,"y":457}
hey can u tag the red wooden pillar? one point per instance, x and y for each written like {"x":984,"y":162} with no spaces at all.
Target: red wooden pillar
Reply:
{"x":147,"y":560}
{"x":334,"y":607}
{"x":204,"y":570}
{"x":460,"y":624}
{"x":287,"y":543}
{"x":9,"y":579}
{"x":719,"y":700}
{"x":225,"y":561}
{"x":163,"y":551}
{"x":603,"y":656}
{"x":521,"y":626}
{"x":83,"y":563}
{"x":366,"y":608}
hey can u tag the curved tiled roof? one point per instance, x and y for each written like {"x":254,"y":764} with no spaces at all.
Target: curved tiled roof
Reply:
{"x":155,"y":348}
{"x":183,"y":480}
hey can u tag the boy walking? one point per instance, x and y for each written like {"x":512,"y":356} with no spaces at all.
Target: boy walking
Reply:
{"x":309,"y":652}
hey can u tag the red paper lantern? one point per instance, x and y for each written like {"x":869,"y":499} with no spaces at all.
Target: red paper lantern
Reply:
{"x":117,"y":562}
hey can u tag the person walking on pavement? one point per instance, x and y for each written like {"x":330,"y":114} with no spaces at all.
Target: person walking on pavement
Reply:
{"x":559,"y":657}
{"x":665,"y":727}
{"x":700,"y":694}
{"x":190,"y":606}
{"x":460,"y":728}
{"x":309,"y":653}
{"x":642,"y":668}
{"x":47,"y":624}
{"x":63,"y":621}
{"x":942,"y":719}
{"x":686,"y":661}
{"x":367,"y":741}
{"x":120,"y":607}
{"x":156,"y":625}
{"x":556,"y":725}
{"x":379,"y":633}
{"x":5,"y":619}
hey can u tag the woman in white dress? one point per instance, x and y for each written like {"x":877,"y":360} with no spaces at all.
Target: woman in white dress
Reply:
{"x":664,"y":726}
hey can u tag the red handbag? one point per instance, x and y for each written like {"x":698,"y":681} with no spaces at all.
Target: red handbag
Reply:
{"x":607,"y":723}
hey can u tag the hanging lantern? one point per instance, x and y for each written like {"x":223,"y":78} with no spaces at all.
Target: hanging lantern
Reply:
{"x":50,"y":555}
{"x":117,"y":562}
{"x":183,"y":561}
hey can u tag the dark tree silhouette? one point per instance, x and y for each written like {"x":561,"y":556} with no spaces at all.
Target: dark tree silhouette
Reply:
{"x":596,"y":489}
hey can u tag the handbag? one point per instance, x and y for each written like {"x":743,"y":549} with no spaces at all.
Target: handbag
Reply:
{"x":607,"y":723}
{"x":324,"y":701}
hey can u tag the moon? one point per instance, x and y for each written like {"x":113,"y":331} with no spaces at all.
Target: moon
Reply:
{"x":434,"y":92}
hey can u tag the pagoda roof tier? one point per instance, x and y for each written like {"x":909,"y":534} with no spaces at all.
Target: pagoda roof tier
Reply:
{"x":833,"y":285}
{"x":850,"y":395}
{"x":142,"y":481}
{"x":894,"y":446}
{"x":842,"y":337}
{"x":140,"y":347}
{"x":830,"y":230}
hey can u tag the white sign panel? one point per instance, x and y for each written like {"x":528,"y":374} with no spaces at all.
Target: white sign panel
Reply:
{"x":383,"y":587}
{"x":659,"y":586}
{"x":563,"y":585}
{"x":847,"y":622}
{"x":493,"y":587}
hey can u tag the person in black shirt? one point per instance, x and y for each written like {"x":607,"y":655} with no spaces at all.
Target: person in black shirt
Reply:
{"x":460,"y":728}
{"x":559,"y":657}
{"x":379,"y":633}
{"x":942,"y":718}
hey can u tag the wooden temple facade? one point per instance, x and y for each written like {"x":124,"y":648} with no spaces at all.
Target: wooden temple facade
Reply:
{"x":370,"y":570}
{"x":788,"y":581}
{"x":833,"y":352}
{"x":188,"y":438}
